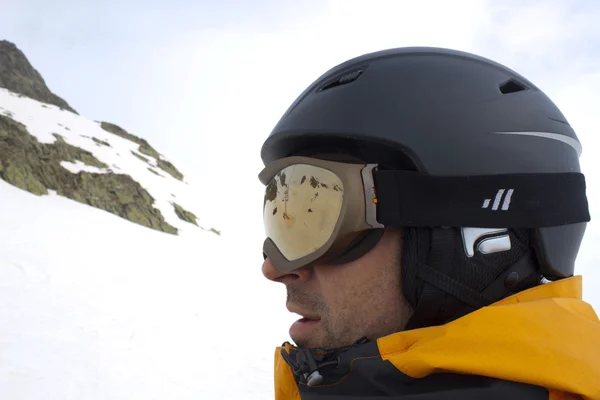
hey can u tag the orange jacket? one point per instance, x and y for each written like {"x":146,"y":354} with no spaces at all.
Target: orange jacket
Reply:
{"x":546,"y":337}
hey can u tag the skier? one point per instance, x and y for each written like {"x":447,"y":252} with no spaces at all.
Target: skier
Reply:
{"x":424,"y":208}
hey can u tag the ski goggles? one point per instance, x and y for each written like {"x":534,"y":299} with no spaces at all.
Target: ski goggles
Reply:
{"x":315,"y":208}
{"x":324,"y":211}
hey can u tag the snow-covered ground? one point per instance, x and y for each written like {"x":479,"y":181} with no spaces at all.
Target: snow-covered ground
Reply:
{"x":97,"y":307}
{"x":101,"y":308}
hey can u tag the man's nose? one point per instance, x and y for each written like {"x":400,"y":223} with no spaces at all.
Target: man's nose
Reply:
{"x":273,"y":274}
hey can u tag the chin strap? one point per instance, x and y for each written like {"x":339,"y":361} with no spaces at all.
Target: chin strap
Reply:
{"x":435,"y":278}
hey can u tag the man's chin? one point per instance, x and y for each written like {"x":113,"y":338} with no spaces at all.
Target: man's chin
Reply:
{"x":306,"y":333}
{"x":320,"y":342}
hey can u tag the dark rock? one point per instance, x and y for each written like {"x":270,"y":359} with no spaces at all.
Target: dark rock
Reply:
{"x":19,"y":76}
{"x":184,"y":214}
{"x":144,"y":148}
{"x":35,"y":167}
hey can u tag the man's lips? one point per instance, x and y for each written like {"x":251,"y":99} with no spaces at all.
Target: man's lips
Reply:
{"x":306,"y":317}
{"x":309,"y":318}
{"x":304,"y":326}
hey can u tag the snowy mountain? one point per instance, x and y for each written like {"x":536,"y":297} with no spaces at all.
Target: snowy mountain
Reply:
{"x":50,"y":151}
{"x":106,"y":276}
{"x":47,"y":149}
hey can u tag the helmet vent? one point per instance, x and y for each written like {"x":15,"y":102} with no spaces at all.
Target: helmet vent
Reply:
{"x":344,"y":79}
{"x":512,"y":86}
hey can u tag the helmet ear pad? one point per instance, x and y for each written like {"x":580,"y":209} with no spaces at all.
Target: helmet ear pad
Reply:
{"x":359,"y":246}
{"x":484,"y":273}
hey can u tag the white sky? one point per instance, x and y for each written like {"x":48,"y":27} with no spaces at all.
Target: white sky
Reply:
{"x":205,"y":83}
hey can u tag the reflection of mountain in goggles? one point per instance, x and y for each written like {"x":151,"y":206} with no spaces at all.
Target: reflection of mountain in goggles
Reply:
{"x":315,"y":208}
{"x":311,"y":206}
{"x":309,"y":200}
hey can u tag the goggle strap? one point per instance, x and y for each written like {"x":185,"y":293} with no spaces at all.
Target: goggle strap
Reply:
{"x":535,"y":200}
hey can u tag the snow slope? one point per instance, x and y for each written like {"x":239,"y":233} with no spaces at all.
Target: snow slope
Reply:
{"x":106,"y":309}
{"x":44,"y":120}
{"x":102,"y":308}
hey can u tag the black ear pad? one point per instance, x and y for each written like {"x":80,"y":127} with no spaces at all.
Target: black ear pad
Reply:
{"x":359,"y":246}
{"x":417,"y":244}
{"x":482,"y":274}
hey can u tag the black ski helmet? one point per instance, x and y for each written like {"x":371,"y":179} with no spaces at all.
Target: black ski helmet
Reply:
{"x":444,"y":113}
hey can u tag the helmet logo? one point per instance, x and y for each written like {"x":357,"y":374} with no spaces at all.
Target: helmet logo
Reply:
{"x":499,"y":195}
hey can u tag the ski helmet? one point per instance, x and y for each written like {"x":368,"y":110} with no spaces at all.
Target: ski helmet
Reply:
{"x":449,"y":115}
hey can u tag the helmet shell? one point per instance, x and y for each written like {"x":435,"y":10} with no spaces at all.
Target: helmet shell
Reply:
{"x":442,"y":112}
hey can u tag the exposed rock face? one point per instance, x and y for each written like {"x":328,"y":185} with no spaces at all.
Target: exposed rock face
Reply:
{"x":144,"y":148}
{"x":36,"y":167}
{"x":185,"y":215}
{"x":19,"y":76}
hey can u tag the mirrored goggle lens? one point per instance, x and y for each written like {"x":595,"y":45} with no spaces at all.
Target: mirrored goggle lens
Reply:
{"x":302,"y":206}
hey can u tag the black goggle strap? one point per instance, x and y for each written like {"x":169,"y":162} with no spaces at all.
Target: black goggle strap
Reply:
{"x":532,"y":200}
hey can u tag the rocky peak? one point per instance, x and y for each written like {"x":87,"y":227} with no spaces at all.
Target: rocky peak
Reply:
{"x":19,"y":76}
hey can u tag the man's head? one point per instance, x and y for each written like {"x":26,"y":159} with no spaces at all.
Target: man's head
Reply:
{"x":348,"y":301}
{"x":473,"y":163}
